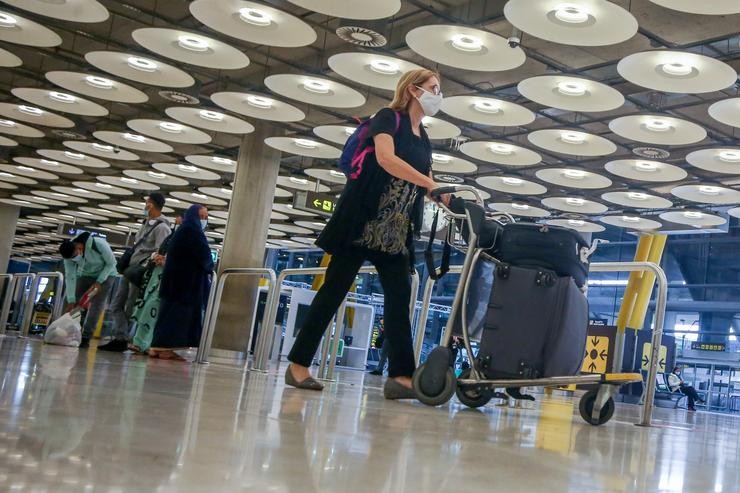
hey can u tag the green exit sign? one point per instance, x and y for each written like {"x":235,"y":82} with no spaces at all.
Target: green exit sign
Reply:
{"x":321,"y":203}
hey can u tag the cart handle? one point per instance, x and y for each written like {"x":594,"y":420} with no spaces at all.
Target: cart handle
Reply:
{"x":457,"y":188}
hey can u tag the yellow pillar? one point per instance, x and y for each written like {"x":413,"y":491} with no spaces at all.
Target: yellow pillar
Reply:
{"x":318,"y":281}
{"x":645,"y":289}
{"x":631,"y":291}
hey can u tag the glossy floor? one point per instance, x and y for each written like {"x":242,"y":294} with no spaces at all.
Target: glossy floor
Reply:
{"x":89,"y":421}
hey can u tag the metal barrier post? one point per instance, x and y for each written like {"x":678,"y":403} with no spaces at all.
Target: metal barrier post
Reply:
{"x":28,"y":307}
{"x":334,"y":341}
{"x":421,"y":322}
{"x":9,"y":286}
{"x":56,"y":309}
{"x":263,"y":345}
{"x":215,"y":303}
{"x":661,"y":301}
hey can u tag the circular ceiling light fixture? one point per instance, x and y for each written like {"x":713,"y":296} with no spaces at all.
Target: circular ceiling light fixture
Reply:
{"x":339,"y":174}
{"x":573,"y":89}
{"x":30,"y":110}
{"x":571,"y":14}
{"x":487,"y":106}
{"x":385,"y":67}
{"x":26,"y":169}
{"x":693,"y":214}
{"x":316,"y":86}
{"x":62,"y":97}
{"x":574,"y":201}
{"x":255,"y":17}
{"x":142,"y":64}
{"x":521,"y":207}
{"x":223,"y":161}
{"x":575,"y":174}
{"x":576,"y":222}
{"x":49,"y":162}
{"x":709,"y":190}
{"x":637,"y":196}
{"x":131,"y":181}
{"x":74,"y":155}
{"x":102,"y":148}
{"x":172,"y":128}
{"x":511,"y":181}
{"x":156,"y":176}
{"x":575,"y":138}
{"x":260,"y":102}
{"x":7,"y":21}
{"x":658,"y":125}
{"x":104,"y":185}
{"x":139,"y":139}
{"x":631,"y":219}
{"x":192,"y":43}
{"x":212,"y":116}
{"x":187,"y":168}
{"x":502,"y":149}
{"x":7,"y":123}
{"x":441,"y":158}
{"x":349,"y":130}
{"x":298,"y":181}
{"x":467,"y":43}
{"x":306,"y":143}
{"x":729,"y":156}
{"x":646,"y":166}
{"x":98,"y":82}
{"x":677,"y":69}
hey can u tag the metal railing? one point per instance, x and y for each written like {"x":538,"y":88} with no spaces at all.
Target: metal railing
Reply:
{"x":657,"y":335}
{"x":9,"y":287}
{"x":214,"y":303}
{"x":262,"y":350}
{"x":26,"y":305}
{"x":56,"y":310}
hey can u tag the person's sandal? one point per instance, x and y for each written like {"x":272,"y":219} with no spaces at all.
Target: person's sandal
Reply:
{"x":395,"y":391}
{"x":306,"y":384}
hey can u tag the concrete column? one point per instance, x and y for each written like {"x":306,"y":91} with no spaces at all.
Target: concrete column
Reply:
{"x":246,"y":234}
{"x":8,"y":220}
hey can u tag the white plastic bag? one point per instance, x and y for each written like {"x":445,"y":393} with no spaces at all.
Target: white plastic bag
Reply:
{"x":64,"y":331}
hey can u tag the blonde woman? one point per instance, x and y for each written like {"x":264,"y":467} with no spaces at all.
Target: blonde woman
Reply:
{"x":375,"y":220}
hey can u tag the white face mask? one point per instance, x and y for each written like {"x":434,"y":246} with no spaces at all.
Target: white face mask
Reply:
{"x":203,"y":223}
{"x":430,"y":102}
{"x":76,"y":258}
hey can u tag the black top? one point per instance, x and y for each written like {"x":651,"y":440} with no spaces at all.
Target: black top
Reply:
{"x":376,"y":211}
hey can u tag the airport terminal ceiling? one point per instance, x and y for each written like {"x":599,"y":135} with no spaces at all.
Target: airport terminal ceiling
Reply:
{"x":620,"y":114}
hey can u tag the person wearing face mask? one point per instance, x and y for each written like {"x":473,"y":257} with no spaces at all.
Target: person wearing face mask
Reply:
{"x":153,"y":231}
{"x":89,"y":267}
{"x":376,"y":219}
{"x":184,"y":287}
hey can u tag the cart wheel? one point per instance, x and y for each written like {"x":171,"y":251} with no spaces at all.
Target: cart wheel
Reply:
{"x":443,"y":394}
{"x":473,"y":397}
{"x":586,"y":406}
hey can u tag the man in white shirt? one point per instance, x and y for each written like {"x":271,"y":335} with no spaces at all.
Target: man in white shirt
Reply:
{"x":675,"y":382}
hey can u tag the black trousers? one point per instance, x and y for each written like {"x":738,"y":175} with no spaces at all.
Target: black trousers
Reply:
{"x":395,"y":278}
{"x":691,"y":393}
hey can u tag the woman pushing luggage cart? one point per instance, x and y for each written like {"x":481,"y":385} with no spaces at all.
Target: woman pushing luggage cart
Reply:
{"x":536,"y":323}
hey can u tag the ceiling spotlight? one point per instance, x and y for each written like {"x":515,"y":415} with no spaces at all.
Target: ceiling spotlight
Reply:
{"x":657,"y":125}
{"x":572,"y":14}
{"x":336,"y":173}
{"x":171,"y":128}
{"x":521,"y":207}
{"x":192,"y":43}
{"x":316,"y":86}
{"x":709,"y":190}
{"x":298,"y":181}
{"x":677,"y":69}
{"x":26,"y":169}
{"x":503,"y":149}
{"x":227,"y":191}
{"x":156,"y":176}
{"x":222,"y":160}
{"x":7,"y":123}
{"x":99,"y":82}
{"x":75,"y":155}
{"x":49,"y":162}
{"x":637,"y":196}
{"x":139,"y":139}
{"x":199,"y":196}
{"x":5,"y":174}
{"x":171,"y":199}
{"x":60,"y":195}
{"x":576,"y":222}
{"x":577,"y":202}
{"x":142,"y":64}
{"x":465,"y":42}
{"x":693,"y":214}
{"x":255,"y":17}
{"x":260,"y":102}
{"x":441,"y":158}
{"x":62,"y":97}
{"x":511,"y":181}
{"x":213,"y":116}
{"x":729,"y":156}
{"x":306,"y":143}
{"x":646,"y":166}
{"x":487,"y":106}
{"x":101,"y":147}
{"x":574,"y":174}
{"x":104,"y":185}
{"x":631,"y":219}
{"x":573,"y":137}
{"x":187,"y":168}
{"x":132,"y":181}
{"x":7,"y":20}
{"x":385,"y":67}
{"x":30,"y":110}
{"x":571,"y":89}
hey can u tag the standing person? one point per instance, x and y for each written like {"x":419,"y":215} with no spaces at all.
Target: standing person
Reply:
{"x":381,"y":341}
{"x":146,"y":311}
{"x":154,"y":230}
{"x":675,"y":382}
{"x":376,"y":219}
{"x":184,"y":287}
{"x":89,"y":267}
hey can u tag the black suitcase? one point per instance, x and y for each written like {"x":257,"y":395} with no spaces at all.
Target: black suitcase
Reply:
{"x":536,"y":325}
{"x":551,"y":247}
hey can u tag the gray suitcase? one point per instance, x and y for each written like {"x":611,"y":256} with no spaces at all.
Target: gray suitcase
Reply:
{"x":536,"y":325}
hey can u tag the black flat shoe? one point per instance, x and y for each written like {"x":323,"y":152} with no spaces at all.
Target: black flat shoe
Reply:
{"x":85,"y":343}
{"x":306,"y":384}
{"x":114,"y":346}
{"x":394,"y":391}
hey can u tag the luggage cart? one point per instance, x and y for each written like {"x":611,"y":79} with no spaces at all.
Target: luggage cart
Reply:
{"x":435,"y":382}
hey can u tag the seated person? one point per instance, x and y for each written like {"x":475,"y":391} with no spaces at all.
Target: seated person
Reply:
{"x":676,"y":383}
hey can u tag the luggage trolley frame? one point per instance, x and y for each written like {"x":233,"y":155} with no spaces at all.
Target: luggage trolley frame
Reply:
{"x":435,"y":381}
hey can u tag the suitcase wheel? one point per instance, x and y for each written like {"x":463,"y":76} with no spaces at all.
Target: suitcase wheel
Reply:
{"x":586,"y":408}
{"x":434,"y":381}
{"x":473,"y":396}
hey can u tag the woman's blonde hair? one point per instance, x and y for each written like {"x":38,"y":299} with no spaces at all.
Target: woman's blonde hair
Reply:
{"x":417,"y":77}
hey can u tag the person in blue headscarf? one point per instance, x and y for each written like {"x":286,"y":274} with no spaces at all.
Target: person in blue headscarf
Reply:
{"x":184,"y":287}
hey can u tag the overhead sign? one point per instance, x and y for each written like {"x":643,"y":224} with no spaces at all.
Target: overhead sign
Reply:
{"x":709,"y":346}
{"x":320,"y":203}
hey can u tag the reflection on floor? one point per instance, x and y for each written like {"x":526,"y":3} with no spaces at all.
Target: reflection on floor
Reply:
{"x":93,"y":422}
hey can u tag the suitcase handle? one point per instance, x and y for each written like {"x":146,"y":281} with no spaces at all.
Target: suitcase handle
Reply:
{"x":434,"y":272}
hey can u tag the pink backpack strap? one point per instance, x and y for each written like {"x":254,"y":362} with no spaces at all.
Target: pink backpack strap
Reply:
{"x":359,"y":158}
